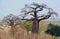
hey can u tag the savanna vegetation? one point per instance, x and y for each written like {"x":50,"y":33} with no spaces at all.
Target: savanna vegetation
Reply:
{"x":28,"y":25}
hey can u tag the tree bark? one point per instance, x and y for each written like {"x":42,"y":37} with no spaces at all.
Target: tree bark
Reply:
{"x":35,"y":27}
{"x":12,"y":30}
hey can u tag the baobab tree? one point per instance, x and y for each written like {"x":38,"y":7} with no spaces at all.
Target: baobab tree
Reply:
{"x":31,"y":12}
{"x":12,"y":21}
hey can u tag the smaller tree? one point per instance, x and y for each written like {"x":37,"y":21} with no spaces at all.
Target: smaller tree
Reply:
{"x":27,"y":25}
{"x":53,"y":30}
{"x":12,"y":21}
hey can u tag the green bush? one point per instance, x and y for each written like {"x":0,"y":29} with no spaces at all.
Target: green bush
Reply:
{"x":53,"y":30}
{"x":27,"y":25}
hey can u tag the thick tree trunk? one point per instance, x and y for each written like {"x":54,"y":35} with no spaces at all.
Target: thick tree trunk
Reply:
{"x":35,"y":27}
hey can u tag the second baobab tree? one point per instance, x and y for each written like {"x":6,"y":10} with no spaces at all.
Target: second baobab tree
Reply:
{"x":33,"y":13}
{"x":13,"y":21}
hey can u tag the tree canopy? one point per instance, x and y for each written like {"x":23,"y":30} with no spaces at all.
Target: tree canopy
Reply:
{"x":12,"y":20}
{"x":31,"y":12}
{"x":27,"y":25}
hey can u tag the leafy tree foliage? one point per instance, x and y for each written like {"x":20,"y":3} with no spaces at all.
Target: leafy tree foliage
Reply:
{"x":27,"y":25}
{"x":53,"y":30}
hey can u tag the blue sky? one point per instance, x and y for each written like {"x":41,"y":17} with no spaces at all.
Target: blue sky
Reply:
{"x":14,"y":6}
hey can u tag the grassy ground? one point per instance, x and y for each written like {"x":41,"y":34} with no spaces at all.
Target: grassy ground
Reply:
{"x":22,"y":33}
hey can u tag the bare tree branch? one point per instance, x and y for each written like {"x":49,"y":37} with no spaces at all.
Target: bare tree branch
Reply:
{"x":27,"y":12}
{"x":41,"y":16}
{"x":45,"y":17}
{"x":50,"y":12}
{"x":31,"y":7}
{"x":11,"y":19}
{"x":40,"y":5}
{"x":32,"y":15}
{"x":40,"y":9}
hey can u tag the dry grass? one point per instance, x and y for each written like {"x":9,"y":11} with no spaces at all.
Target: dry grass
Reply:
{"x":22,"y":36}
{"x":22,"y":33}
{"x":4,"y":35}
